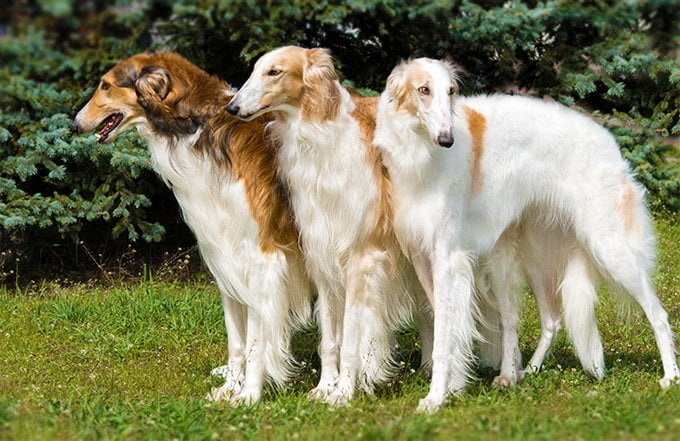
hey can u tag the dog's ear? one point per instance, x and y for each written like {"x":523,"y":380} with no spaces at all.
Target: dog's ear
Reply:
{"x":319,"y":77}
{"x":396,"y":84}
{"x":453,"y":70}
{"x":153,"y":83}
{"x":319,"y":68}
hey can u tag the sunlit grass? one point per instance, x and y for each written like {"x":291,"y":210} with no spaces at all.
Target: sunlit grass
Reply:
{"x":132,"y":361}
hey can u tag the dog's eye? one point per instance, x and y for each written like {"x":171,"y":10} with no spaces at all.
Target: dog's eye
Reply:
{"x":424,"y":90}
{"x":105,"y":85}
{"x":273,"y":72}
{"x":451,"y":91}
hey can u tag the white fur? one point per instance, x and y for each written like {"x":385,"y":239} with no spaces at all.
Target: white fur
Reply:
{"x":365,"y":289}
{"x":264,"y":295}
{"x":334,"y":196}
{"x":540,"y":160}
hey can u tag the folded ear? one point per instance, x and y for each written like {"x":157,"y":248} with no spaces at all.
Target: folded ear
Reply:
{"x":153,"y":83}
{"x":396,"y":84}
{"x":319,"y":68}
{"x":454,"y":70}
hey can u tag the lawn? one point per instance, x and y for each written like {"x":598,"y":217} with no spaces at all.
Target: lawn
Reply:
{"x":131,"y":360}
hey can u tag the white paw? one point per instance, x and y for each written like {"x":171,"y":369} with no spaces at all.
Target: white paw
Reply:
{"x":222,"y":393}
{"x":321,"y":392}
{"x":667,"y":382}
{"x":430,"y":404}
{"x":338,"y":398}
{"x":506,"y":380}
{"x":246,"y":397}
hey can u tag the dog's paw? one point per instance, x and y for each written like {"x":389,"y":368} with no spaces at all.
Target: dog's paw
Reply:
{"x":247,"y":397}
{"x":321,"y":392}
{"x":338,"y":398}
{"x":667,"y":382}
{"x":506,"y":380}
{"x":430,"y":404}
{"x":222,"y":393}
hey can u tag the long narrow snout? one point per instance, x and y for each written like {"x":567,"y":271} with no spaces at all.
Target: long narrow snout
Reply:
{"x":243,"y":106}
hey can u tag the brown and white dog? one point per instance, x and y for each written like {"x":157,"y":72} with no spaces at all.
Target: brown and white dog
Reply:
{"x":222,"y":172}
{"x":341,"y":199}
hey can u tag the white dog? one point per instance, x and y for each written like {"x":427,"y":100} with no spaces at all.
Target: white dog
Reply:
{"x":515,"y":160}
{"x":341,"y":199}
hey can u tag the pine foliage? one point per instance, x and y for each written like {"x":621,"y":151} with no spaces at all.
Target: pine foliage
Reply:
{"x":615,"y":59}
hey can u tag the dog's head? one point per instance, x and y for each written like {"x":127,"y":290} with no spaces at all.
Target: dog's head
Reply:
{"x":289,"y":79}
{"x":425,"y":89}
{"x":117,"y":104}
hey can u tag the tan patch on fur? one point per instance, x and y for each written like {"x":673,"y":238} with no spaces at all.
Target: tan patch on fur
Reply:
{"x":242,"y":146}
{"x":402,"y":89}
{"x":382,"y":236}
{"x":321,"y":97}
{"x":477,"y":126}
{"x":626,"y":206}
{"x":288,"y":90}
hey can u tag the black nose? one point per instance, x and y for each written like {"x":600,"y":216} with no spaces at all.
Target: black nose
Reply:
{"x":75,"y":127}
{"x":233,"y":108}
{"x":445,"y":139}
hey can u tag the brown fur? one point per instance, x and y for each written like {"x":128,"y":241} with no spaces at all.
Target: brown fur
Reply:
{"x":321,"y":100}
{"x":477,"y":126}
{"x":626,"y":206}
{"x":177,"y":98}
{"x":308,"y":83}
{"x":365,"y":114}
{"x":401,"y":85}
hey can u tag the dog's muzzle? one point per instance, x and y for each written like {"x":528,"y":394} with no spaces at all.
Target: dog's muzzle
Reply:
{"x":233,"y":109}
{"x":75,"y":127}
{"x":445,"y":138}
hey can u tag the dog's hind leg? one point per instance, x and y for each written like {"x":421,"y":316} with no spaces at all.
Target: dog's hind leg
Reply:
{"x":545,"y":292}
{"x":625,"y":266}
{"x":578,"y":301}
{"x":504,"y":280}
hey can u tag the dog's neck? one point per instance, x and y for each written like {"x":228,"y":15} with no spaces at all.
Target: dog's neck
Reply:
{"x":312,"y":130}
{"x":406,"y":148}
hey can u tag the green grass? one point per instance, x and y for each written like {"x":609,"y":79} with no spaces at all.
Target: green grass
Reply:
{"x":132,"y":362}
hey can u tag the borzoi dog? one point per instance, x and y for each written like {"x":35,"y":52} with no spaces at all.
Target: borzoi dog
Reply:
{"x":340,"y":194}
{"x":222,"y":172}
{"x":465,"y":170}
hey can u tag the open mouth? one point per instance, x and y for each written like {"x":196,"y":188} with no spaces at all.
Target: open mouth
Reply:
{"x":108,"y":125}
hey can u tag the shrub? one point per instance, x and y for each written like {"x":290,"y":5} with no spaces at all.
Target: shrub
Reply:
{"x":618,"y":60}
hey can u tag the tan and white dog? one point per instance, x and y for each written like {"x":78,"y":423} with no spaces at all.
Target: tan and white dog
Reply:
{"x":223,"y":174}
{"x":341,"y":199}
{"x":466,"y":171}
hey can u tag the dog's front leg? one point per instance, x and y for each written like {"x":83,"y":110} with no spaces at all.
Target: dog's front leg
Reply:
{"x":330,"y":311}
{"x":251,"y":392}
{"x":365,"y":346}
{"x":234,"y":371}
{"x":454,"y":327}
{"x":423,"y":315}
